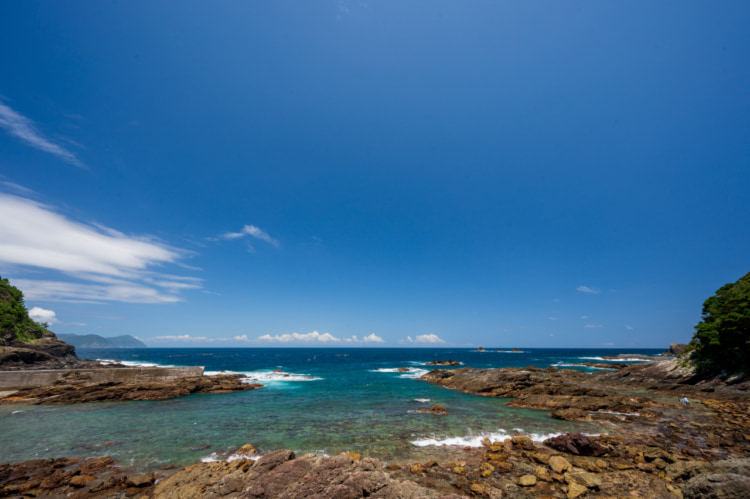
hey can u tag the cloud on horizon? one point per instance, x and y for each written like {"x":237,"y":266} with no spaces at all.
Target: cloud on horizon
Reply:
{"x":425,"y":338}
{"x":24,"y":129}
{"x":104,"y":264}
{"x":313,"y":337}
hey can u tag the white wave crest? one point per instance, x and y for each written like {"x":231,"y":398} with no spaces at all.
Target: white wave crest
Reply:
{"x":413,"y":372}
{"x":602,"y":359}
{"x":422,"y":401}
{"x":132,"y":363}
{"x":276,"y":376}
{"x":476,"y":440}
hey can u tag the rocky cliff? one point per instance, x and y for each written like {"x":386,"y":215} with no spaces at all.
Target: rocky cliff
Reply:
{"x":24,"y":344}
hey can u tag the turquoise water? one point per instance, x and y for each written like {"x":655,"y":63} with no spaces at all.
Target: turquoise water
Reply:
{"x":326,"y":401}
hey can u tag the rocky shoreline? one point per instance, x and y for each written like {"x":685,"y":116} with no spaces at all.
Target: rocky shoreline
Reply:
{"x":654,"y":447}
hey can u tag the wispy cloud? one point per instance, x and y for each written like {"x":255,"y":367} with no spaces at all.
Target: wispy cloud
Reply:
{"x":253,"y":231}
{"x":629,"y":328}
{"x":102,"y":264}
{"x":38,"y":314}
{"x":586,"y":289}
{"x":591,"y":326}
{"x":24,"y":129}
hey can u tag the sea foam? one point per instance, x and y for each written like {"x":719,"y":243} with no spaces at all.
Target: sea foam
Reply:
{"x":473,"y":440}
{"x":413,"y":373}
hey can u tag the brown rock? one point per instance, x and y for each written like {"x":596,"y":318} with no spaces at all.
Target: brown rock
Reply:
{"x":576,"y":444}
{"x":527,"y":481}
{"x":559,"y":464}
{"x":570,"y":414}
{"x":141,"y":480}
{"x":588,"y":480}
{"x":96,"y":465}
{"x":522,"y":442}
{"x":245,"y":450}
{"x":576,"y":490}
{"x":81,"y":480}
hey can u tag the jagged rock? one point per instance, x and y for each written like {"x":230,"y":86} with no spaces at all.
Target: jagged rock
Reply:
{"x":141,"y":480}
{"x":443,"y":363}
{"x":559,"y":464}
{"x":570,"y":414}
{"x":719,"y":486}
{"x":676,"y":348}
{"x":576,"y":490}
{"x":588,"y":480}
{"x":576,"y":444}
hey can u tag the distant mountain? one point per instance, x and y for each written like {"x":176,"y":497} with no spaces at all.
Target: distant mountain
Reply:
{"x":96,"y":341}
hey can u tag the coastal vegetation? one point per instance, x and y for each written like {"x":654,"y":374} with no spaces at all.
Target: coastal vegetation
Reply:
{"x":722,"y":339}
{"x":15,"y":324}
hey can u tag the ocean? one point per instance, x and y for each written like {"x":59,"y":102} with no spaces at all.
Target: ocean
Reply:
{"x":325,"y":400}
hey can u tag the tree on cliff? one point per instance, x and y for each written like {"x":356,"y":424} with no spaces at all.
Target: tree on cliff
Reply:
{"x":722,"y":339}
{"x":15,"y":323}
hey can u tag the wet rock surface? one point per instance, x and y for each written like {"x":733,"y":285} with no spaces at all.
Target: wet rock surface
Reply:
{"x":73,"y":389}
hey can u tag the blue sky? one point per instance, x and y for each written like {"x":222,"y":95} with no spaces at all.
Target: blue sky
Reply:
{"x":344,"y":173}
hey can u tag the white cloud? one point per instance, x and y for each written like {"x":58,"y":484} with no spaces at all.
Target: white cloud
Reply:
{"x":241,"y":338}
{"x":592,"y":325}
{"x":39,"y":314}
{"x":252,"y":230}
{"x":109,"y":265}
{"x":183,"y":337}
{"x":313,"y":337}
{"x":23,"y":128}
{"x":586,"y":289}
{"x":427,"y":338}
{"x":629,"y":328}
{"x":584,"y":317}
{"x":552,"y":318}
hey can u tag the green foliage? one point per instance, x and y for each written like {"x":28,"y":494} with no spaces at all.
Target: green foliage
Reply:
{"x":15,"y":323}
{"x":722,"y":339}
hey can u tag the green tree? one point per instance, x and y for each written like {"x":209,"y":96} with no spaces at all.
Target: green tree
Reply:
{"x":722,"y":339}
{"x":15,"y":323}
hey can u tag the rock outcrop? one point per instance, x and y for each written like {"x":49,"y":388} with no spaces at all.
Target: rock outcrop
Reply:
{"x":73,"y":389}
{"x":550,"y":391}
{"x":24,"y":344}
{"x":443,"y":363}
